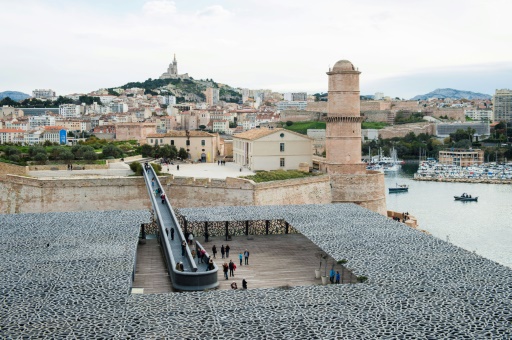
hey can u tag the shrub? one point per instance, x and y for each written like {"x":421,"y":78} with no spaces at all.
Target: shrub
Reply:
{"x":137,"y":168}
{"x":362,"y":279}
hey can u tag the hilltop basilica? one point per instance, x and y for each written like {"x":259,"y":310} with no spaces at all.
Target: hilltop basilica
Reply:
{"x":172,"y":71}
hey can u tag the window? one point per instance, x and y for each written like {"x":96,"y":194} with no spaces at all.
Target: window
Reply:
{"x":281,"y":147}
{"x":172,"y":141}
{"x":188,"y":142}
{"x":151,"y":141}
{"x":203,"y":142}
{"x":161,"y":141}
{"x":281,"y":162}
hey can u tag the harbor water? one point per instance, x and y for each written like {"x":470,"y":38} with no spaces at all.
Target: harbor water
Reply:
{"x":484,"y":227}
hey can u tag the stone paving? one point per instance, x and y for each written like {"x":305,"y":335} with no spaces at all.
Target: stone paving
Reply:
{"x":68,"y":275}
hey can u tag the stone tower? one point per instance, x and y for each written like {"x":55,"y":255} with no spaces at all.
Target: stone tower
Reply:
{"x":350,"y":181}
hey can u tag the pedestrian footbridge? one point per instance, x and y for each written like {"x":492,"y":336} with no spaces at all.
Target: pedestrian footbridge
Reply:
{"x":195,"y":276}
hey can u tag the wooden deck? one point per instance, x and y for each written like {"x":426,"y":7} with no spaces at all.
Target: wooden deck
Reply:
{"x":274,"y":261}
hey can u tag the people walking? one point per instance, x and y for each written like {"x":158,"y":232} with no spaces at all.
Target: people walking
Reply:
{"x":190,"y":238}
{"x":246,"y":256}
{"x":244,"y":284}
{"x":337,"y":277}
{"x":227,"y":251}
{"x":163,"y":198}
{"x":225,"y":268}
{"x":331,"y":275}
{"x":183,"y":248}
{"x":167,"y":231}
{"x":240,"y":257}
{"x":178,"y":167}
{"x":214,"y":251}
{"x":172,"y":234}
{"x":222,"y":250}
{"x":231,"y":268}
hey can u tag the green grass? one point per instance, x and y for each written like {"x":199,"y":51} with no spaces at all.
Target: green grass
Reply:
{"x":277,"y":175}
{"x":302,"y":127}
{"x":374,"y":125}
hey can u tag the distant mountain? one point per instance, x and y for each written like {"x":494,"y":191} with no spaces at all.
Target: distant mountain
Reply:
{"x":14,"y":95}
{"x":452,"y":93}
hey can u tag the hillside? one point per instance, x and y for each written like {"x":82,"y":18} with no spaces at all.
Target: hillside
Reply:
{"x":14,"y":95}
{"x":452,"y":93}
{"x":184,"y":89}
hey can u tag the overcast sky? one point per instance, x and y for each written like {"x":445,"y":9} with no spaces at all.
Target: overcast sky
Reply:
{"x":402,"y":47}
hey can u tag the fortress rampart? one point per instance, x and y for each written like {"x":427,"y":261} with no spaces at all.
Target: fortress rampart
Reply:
{"x":20,"y":194}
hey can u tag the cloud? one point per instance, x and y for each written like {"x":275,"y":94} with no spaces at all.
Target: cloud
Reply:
{"x":159,"y":8}
{"x":216,"y":12}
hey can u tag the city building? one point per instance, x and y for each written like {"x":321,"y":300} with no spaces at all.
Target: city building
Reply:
{"x":480,"y":115}
{"x":55,"y":134}
{"x":200,"y":145}
{"x":296,"y":105}
{"x":137,"y":131}
{"x":11,"y":136}
{"x":296,"y":96}
{"x":461,"y":157}
{"x":271,"y":149}
{"x":482,"y":129}
{"x":212,"y":96}
{"x":43,"y":94}
{"x":37,"y":121}
{"x":70,"y":110}
{"x":221,"y":126}
{"x":502,"y":105}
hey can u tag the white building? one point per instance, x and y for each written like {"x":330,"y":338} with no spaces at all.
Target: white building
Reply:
{"x":378,"y":96}
{"x":480,"y":115}
{"x":70,"y":110}
{"x":297,"y":105}
{"x":37,"y":121}
{"x":220,"y":126}
{"x":296,"y":96}
{"x":118,"y":107}
{"x":43,"y":94}
{"x":11,"y":136}
{"x":271,"y":149}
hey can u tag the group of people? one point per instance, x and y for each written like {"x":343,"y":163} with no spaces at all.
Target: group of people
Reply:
{"x":172,"y":233}
{"x":465,"y":195}
{"x":221,"y":162}
{"x":244,"y":285}
{"x":334,"y":277}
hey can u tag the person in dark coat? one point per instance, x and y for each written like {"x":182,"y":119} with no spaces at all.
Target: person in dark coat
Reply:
{"x":183,"y":248}
{"x":225,"y":268}
{"x":172,"y":234}
{"x":231,"y":268}
{"x":222,"y":250}
{"x":244,"y":284}
{"x":214,"y":251}
{"x":227,"y":251}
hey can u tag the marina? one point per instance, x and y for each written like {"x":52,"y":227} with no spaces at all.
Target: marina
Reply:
{"x":482,"y":227}
{"x":484,"y":173}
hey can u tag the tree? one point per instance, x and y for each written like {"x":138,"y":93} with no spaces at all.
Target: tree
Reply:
{"x":110,"y":150}
{"x":289,"y":123}
{"x":37,"y":149}
{"x":146,"y":150}
{"x":202,"y":127}
{"x":66,"y":155}
{"x":41,"y":158}
{"x":183,"y":154}
{"x":90,"y":155}
{"x":11,"y":150}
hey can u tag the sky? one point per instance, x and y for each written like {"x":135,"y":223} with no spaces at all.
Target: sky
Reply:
{"x":402,"y":47}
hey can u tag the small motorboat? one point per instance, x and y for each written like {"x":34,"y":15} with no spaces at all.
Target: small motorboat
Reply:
{"x":399,"y":188}
{"x":466,"y":198}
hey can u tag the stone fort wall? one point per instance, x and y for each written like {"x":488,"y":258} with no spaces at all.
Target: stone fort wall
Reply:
{"x":20,"y":194}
